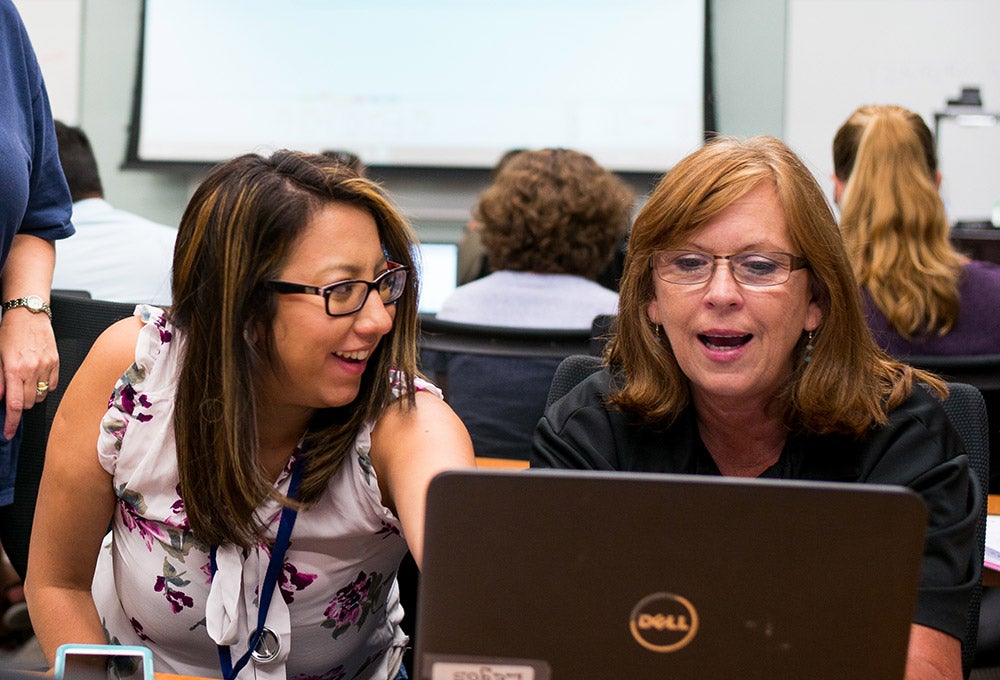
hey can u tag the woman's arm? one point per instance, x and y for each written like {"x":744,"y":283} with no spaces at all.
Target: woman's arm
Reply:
{"x":933,"y":655}
{"x":27,"y":344}
{"x":409,"y":447}
{"x":76,"y":500}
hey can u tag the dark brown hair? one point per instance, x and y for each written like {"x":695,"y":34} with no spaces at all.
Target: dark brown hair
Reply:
{"x":76,"y":156}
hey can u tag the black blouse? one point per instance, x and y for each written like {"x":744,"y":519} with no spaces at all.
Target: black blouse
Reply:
{"x":918,"y":448}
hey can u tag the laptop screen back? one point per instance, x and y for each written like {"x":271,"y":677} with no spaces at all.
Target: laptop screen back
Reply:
{"x":558,"y":574}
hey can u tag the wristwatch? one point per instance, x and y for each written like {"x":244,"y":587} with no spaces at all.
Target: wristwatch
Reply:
{"x":33,"y":303}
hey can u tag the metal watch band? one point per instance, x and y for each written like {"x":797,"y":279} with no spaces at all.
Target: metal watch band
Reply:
{"x":33,"y":303}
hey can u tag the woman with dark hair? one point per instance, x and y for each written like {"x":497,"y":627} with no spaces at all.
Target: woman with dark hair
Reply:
{"x":742,"y":350}
{"x":921,"y":295}
{"x":267,"y":446}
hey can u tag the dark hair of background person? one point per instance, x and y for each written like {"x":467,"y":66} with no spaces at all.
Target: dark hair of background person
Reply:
{"x":553,"y":211}
{"x":893,"y":220}
{"x":848,"y":386}
{"x":502,"y":162}
{"x":79,"y":164}
{"x":348,"y":159}
{"x":235,"y":234}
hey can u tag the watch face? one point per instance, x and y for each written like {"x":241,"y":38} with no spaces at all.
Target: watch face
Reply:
{"x":34,"y":303}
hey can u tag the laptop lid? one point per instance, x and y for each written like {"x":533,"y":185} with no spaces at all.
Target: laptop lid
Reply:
{"x":546,"y":574}
{"x":438,"y":263}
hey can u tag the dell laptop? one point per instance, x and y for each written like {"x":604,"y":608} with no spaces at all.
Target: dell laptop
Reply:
{"x":553,"y":574}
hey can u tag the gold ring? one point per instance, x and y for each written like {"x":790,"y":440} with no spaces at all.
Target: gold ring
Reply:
{"x":41,"y":387}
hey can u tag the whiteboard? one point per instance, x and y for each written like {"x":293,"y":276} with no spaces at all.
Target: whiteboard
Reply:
{"x":55,"y":30}
{"x":915,"y":53}
{"x":442,"y":83}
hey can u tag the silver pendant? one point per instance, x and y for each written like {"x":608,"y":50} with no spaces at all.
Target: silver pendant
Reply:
{"x":267,"y":646}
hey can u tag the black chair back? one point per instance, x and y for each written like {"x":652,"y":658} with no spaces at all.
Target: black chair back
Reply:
{"x":983,"y":372}
{"x":496,"y":378}
{"x":465,"y":338}
{"x":967,"y":412}
{"x":76,"y":321}
{"x":573,"y":369}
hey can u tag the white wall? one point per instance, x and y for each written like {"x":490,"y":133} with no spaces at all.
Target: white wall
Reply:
{"x":56,"y":30}
{"x":749,"y":60}
{"x":915,"y":53}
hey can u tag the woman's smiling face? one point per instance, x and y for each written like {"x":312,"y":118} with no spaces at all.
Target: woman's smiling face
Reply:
{"x":733,"y":341}
{"x":319,"y":359}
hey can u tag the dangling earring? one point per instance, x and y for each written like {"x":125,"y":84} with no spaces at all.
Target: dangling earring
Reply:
{"x":809,"y":348}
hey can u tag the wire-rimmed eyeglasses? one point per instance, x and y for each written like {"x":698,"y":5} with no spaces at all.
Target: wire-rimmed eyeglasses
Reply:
{"x":690,"y":267}
{"x":347,"y":297}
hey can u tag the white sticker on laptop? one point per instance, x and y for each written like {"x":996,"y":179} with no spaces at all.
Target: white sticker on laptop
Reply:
{"x":446,"y":667}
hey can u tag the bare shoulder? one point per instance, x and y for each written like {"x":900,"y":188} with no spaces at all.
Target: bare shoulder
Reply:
{"x":410,"y":445}
{"x":428,"y":412}
{"x":426,"y":425}
{"x":110,"y":355}
{"x":120,"y":336}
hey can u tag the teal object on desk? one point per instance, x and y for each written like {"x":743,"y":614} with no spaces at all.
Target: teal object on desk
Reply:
{"x":118,"y":661}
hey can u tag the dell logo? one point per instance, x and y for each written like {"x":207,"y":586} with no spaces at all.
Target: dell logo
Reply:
{"x":663,"y":622}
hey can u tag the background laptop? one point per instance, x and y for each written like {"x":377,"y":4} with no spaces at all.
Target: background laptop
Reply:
{"x":560,"y":574}
{"x":438,"y":263}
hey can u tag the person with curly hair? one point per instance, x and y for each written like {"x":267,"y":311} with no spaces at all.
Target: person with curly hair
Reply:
{"x":551,"y":220}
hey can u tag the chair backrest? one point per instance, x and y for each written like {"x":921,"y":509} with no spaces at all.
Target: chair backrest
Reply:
{"x":466,"y":338}
{"x":979,"y":370}
{"x":572,"y":370}
{"x":983,"y":372}
{"x":601,"y":330}
{"x":496,"y":378}
{"x":967,"y":412}
{"x":76,"y":321}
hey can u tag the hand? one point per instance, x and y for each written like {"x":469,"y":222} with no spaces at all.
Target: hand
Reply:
{"x":29,"y":360}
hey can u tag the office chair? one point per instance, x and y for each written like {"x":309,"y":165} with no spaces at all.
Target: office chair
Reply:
{"x":601,"y":330}
{"x":966,"y":410}
{"x":76,"y":321}
{"x":982,"y":372}
{"x":572,"y":370}
{"x":496,"y":378}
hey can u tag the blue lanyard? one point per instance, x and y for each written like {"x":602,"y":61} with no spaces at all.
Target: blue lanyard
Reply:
{"x":274,"y":567}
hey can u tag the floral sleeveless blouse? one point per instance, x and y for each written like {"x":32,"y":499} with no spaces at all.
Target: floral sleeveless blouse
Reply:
{"x":336,"y":608}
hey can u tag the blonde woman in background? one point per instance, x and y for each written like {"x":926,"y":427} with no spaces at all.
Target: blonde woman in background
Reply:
{"x":921,"y":295}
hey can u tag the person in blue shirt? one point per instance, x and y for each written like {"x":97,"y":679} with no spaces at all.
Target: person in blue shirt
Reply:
{"x":35,"y":209}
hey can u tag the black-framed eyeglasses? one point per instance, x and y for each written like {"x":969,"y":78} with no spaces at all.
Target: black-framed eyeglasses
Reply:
{"x":690,"y":267}
{"x":347,"y":297}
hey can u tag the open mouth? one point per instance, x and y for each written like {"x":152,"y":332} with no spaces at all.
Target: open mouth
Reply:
{"x":352,"y":357}
{"x":724,"y":342}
